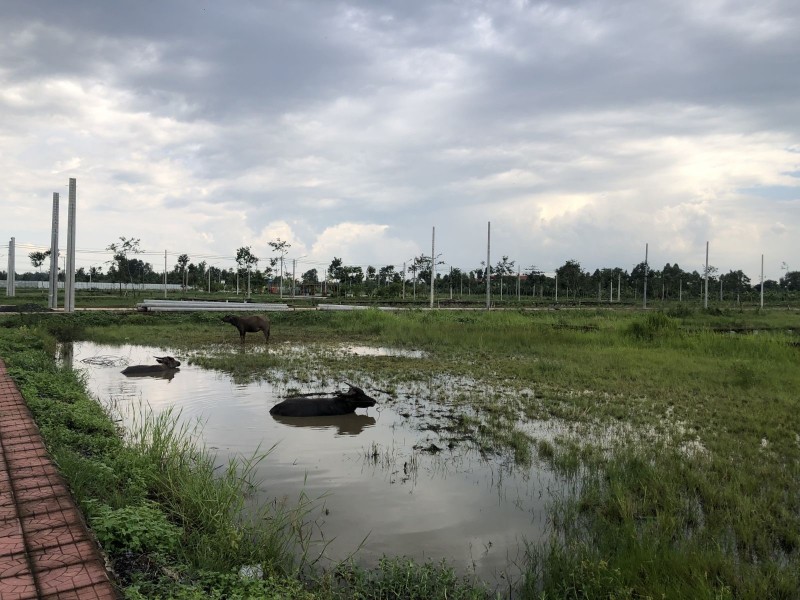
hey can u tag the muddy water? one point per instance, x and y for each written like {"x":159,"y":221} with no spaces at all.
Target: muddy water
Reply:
{"x":375,"y":470}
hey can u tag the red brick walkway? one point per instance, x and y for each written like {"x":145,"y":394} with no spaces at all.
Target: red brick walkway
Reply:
{"x":45,"y":548}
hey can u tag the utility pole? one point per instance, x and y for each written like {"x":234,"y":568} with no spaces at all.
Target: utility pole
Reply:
{"x":488,"y":277}
{"x":644,"y":296}
{"x":705,"y":302}
{"x":53,"y":297}
{"x":433,"y":262}
{"x":10,"y":282}
{"x":69,"y":276}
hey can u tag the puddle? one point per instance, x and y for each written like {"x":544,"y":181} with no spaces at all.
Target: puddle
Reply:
{"x":373,"y":351}
{"x":376,"y":468}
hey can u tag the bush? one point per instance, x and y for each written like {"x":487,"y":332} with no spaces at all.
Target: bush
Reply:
{"x":653,"y":325}
{"x":139,"y":529}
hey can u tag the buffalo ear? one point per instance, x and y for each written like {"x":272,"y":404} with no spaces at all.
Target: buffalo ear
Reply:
{"x":354,"y":390}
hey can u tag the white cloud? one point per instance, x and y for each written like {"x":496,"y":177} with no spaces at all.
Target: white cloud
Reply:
{"x":580,"y":131}
{"x":359,"y":243}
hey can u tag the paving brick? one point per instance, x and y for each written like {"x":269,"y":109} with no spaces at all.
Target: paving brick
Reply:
{"x":71,"y":577}
{"x":60,"y":537}
{"x":40,"y":526}
{"x":18,"y":587}
{"x":14,"y":565}
{"x":42,"y":496}
{"x":12,"y":544}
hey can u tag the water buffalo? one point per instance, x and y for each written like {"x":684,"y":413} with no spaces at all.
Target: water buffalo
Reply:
{"x":166,"y":365}
{"x":251,"y":324}
{"x":323,"y":405}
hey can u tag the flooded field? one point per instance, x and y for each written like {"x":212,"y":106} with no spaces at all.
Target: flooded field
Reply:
{"x":387,"y":481}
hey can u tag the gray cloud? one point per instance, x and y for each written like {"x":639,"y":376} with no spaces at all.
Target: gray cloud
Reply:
{"x":581,"y":129}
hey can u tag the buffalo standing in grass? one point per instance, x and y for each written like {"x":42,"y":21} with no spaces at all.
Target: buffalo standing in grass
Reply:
{"x":323,"y":405}
{"x":166,"y":366}
{"x":249,"y":324}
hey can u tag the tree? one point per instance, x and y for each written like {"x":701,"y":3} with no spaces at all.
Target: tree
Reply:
{"x":534,"y":276}
{"x":735,"y":281}
{"x":504,"y":267}
{"x":183,"y":260}
{"x":280,"y":247}
{"x":673,"y":277}
{"x":570,"y":275}
{"x":335,"y":269}
{"x":38,"y":258}
{"x":120,"y":261}
{"x":386,"y":274}
{"x":791,"y":282}
{"x":246,"y":260}
{"x":421,"y":268}
{"x":353,"y":275}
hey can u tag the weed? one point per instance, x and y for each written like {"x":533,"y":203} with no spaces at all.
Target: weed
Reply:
{"x":652,"y":325}
{"x":142,"y":528}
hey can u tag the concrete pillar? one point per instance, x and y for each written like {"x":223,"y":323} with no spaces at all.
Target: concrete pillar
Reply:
{"x":10,"y":283}
{"x":53,"y":295}
{"x":69,"y":276}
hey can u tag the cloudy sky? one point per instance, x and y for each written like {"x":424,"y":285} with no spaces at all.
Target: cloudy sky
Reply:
{"x":581,"y":129}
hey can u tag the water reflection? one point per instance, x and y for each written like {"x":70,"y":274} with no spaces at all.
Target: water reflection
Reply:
{"x":351,"y":424}
{"x":473,"y":509}
{"x":168,"y":374}
{"x":381,"y":351}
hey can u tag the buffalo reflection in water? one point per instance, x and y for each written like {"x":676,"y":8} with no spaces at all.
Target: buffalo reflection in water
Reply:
{"x":350,"y":424}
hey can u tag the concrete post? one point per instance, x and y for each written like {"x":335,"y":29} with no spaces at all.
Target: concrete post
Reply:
{"x":433,"y":262}
{"x":10,"y":282}
{"x":488,"y":277}
{"x":69,"y":276}
{"x":53,"y":292}
{"x":644,"y":296}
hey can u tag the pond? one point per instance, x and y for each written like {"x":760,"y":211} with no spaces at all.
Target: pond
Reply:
{"x":383,"y":474}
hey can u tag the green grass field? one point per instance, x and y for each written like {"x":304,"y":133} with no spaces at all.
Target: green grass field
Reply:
{"x":680,"y":430}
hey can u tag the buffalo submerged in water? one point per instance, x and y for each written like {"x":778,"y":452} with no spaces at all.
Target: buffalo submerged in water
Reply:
{"x":323,"y":405}
{"x":166,"y":365}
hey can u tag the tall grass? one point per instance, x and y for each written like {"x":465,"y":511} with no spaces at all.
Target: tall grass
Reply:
{"x":210,"y":503}
{"x":154,"y":496}
{"x":681,"y":448}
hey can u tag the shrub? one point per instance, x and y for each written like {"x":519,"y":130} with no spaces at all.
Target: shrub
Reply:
{"x":653,"y":325}
{"x":140,"y":529}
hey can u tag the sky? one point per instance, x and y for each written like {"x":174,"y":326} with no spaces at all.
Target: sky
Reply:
{"x":580,"y":129}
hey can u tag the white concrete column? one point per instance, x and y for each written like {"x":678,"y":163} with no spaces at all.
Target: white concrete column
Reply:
{"x":10,"y":282}
{"x":69,"y":276}
{"x":53,"y":295}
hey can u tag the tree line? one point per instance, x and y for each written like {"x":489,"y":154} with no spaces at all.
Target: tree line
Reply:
{"x":277,"y":275}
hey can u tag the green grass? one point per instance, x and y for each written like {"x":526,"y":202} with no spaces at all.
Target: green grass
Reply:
{"x":153,"y":492}
{"x":678,"y":441}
